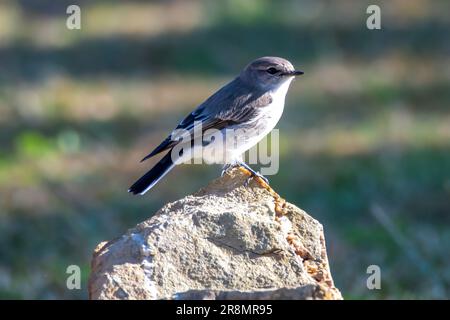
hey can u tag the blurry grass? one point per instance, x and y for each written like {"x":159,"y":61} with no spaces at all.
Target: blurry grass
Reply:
{"x":368,"y":124}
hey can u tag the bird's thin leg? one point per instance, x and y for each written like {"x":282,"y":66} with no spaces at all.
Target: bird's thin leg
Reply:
{"x":253,"y":173}
{"x":225,"y":168}
{"x":228,"y":166}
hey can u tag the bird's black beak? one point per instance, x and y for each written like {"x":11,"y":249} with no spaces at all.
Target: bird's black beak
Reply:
{"x":293,"y":73}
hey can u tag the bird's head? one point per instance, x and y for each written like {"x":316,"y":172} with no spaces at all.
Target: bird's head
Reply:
{"x":269,"y":73}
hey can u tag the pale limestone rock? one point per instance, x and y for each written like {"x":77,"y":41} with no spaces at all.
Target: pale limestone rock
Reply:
{"x":227,"y":241}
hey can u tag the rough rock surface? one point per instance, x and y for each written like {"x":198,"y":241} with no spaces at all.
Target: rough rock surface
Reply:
{"x":227,"y":241}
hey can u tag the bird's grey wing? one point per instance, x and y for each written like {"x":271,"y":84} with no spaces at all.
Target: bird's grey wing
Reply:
{"x":232,"y":104}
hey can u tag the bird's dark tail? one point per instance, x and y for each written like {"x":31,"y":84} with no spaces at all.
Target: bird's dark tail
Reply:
{"x":148,"y":180}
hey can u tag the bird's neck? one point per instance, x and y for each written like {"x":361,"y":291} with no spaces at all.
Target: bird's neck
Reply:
{"x":279,"y":93}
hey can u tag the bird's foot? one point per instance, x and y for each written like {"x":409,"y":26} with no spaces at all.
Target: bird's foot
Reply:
{"x":252,"y":174}
{"x":227,"y":167}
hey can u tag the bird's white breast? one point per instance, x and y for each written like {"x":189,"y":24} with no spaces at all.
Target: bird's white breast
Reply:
{"x":275,"y":109}
{"x":270,"y":115}
{"x":260,"y":126}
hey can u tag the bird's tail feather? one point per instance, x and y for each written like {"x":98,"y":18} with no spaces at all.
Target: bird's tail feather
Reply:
{"x":148,"y":180}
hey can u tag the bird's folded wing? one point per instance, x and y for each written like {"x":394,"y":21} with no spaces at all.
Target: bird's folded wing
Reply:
{"x":179,"y":133}
{"x":229,"y":106}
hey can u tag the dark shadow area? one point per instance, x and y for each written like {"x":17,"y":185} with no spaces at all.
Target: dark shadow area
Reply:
{"x":217,"y":50}
{"x":45,"y":8}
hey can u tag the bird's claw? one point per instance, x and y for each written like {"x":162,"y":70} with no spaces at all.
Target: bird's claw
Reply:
{"x":248,"y":171}
{"x":224,"y":171}
{"x":264,"y":178}
{"x":226,"y":168}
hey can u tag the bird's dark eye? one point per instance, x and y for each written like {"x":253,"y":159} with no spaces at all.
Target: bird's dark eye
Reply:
{"x":272,"y":70}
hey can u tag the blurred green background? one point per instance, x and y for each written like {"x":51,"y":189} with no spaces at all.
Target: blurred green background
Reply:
{"x":365,"y":138}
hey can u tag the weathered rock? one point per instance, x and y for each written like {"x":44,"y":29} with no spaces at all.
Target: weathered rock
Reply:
{"x":227,"y":241}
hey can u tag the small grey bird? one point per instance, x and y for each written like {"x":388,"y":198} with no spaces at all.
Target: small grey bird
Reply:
{"x":251,"y":104}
